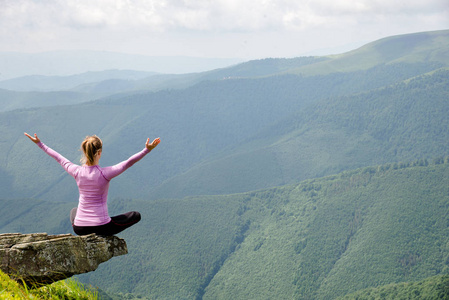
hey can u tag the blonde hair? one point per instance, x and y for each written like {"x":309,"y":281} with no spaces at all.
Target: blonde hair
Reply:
{"x":90,"y":147}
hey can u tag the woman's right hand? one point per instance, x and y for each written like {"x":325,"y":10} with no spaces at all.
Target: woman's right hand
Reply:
{"x":153,"y":144}
{"x":34,"y":139}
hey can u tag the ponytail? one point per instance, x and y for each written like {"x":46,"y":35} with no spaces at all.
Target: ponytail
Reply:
{"x":90,"y":147}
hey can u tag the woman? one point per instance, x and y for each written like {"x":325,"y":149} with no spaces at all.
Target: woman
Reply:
{"x":92,"y":216}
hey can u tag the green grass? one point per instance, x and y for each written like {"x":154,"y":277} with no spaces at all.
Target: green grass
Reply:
{"x":69,"y":289}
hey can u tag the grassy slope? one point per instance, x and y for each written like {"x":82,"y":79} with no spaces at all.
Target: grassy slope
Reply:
{"x":68,"y":289}
{"x":417,"y":47}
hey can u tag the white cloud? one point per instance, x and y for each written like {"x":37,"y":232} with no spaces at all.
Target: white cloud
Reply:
{"x":150,"y":24}
{"x":219,"y":15}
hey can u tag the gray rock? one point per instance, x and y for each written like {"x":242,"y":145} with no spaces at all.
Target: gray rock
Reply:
{"x":38,"y":258}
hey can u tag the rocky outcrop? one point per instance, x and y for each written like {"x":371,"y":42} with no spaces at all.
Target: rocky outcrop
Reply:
{"x":39,"y":258}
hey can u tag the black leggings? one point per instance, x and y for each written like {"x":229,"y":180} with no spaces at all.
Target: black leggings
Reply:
{"x":117,"y":224}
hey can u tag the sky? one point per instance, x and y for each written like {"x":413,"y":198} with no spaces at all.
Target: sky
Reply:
{"x":246,"y":29}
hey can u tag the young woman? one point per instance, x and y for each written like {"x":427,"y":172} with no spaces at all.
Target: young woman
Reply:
{"x":92,"y":216}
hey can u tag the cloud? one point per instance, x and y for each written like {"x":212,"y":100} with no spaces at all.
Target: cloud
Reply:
{"x":202,"y":15}
{"x":227,"y":28}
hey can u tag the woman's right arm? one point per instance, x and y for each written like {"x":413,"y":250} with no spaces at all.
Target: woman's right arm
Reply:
{"x":113,"y":171}
{"x":70,"y":167}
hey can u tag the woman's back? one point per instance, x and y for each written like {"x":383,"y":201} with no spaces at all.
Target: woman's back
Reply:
{"x":93,"y":195}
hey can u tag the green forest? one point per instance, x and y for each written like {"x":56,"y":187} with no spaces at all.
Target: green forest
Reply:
{"x":317,"y":239}
{"x":436,"y":287}
{"x":303,"y":178}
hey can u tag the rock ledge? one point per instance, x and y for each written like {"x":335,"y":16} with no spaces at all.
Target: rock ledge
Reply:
{"x":38,"y":258}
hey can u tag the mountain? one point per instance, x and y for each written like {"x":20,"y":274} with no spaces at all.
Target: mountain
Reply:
{"x":238,"y":134}
{"x":96,"y":85}
{"x":61,"y":83}
{"x":418,"y":47}
{"x":13,"y":100}
{"x":404,"y":121}
{"x":65,"y":63}
{"x":316,"y":239}
{"x":120,"y":81}
{"x":425,"y":47}
{"x":208,"y":123}
{"x":40,"y":91}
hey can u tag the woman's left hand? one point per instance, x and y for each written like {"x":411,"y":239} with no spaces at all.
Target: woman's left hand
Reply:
{"x":34,"y":139}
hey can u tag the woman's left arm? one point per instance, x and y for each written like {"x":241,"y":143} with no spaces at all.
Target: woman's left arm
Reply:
{"x":34,"y":139}
{"x":70,"y":167}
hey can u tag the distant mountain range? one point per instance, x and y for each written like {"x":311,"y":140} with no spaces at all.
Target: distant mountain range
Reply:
{"x":62,"y":83}
{"x":255,"y":125}
{"x":66,"y":63}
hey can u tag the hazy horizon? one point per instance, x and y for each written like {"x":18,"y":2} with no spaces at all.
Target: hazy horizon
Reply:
{"x":73,"y":62}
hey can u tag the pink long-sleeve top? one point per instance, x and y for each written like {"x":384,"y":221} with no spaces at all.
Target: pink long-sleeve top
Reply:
{"x":93,"y":185}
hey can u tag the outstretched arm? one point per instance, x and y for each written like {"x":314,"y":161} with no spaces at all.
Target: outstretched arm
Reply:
{"x":64,"y":162}
{"x":113,"y":171}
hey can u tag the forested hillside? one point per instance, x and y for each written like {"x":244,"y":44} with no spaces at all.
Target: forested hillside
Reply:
{"x":316,"y":239}
{"x":404,"y":121}
{"x":435,"y":287}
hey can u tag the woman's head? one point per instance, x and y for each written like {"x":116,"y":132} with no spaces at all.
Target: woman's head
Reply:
{"x":91,"y":147}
